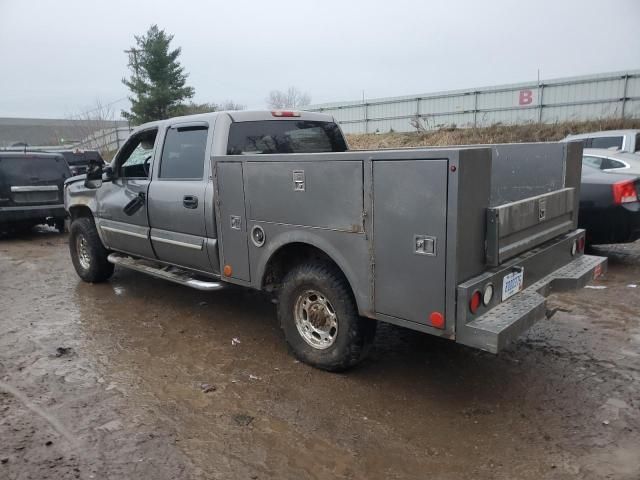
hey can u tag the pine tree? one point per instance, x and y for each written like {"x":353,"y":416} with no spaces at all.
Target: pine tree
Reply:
{"x":158,"y":80}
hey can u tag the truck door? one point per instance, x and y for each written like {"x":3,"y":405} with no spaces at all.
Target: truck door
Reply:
{"x":176,"y":197}
{"x":410,"y":219}
{"x":122,"y":203}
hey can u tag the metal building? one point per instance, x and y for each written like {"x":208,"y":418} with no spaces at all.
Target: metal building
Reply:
{"x":591,"y":97}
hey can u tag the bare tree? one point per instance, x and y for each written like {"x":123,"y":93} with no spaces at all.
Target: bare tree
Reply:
{"x":97,"y":129}
{"x":291,"y":98}
{"x":193,"y":108}
{"x":231,"y":105}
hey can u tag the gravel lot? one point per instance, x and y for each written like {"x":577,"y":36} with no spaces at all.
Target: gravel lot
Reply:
{"x":142,"y":379}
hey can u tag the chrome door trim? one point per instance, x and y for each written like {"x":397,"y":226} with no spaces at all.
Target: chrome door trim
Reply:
{"x":36,"y":188}
{"x":123,"y":232}
{"x":176,"y":242}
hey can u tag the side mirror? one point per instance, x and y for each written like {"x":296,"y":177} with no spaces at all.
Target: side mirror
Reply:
{"x":94,"y":174}
{"x":93,"y":184}
{"x":108,"y":173}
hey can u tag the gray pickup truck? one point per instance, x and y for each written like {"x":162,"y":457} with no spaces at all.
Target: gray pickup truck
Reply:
{"x":460,"y":242}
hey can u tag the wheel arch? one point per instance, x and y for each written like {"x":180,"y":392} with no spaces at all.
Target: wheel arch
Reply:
{"x":79,"y":210}
{"x":289,"y":251}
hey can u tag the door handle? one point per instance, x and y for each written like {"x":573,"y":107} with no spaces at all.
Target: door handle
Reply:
{"x":134,"y":205}
{"x":190,"y":201}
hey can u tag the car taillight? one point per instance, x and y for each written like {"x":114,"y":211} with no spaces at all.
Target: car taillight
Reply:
{"x":624,"y":192}
{"x":284,"y":113}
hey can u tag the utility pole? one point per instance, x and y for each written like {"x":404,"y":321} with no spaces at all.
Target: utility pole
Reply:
{"x":133,"y":61}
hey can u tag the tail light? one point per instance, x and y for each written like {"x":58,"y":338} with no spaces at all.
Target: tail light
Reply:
{"x":284,"y":113}
{"x":475,"y":301}
{"x":624,"y":192}
{"x":581,"y":244}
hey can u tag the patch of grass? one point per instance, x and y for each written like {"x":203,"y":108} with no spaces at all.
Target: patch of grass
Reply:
{"x":531,"y":132}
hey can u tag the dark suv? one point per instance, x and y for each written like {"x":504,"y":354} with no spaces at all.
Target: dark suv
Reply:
{"x":78,"y":160}
{"x":31,"y":189}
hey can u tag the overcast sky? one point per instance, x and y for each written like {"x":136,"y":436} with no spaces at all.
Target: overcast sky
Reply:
{"x":59,"y":57}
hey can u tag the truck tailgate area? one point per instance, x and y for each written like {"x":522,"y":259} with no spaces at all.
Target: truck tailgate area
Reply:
{"x":501,"y":322}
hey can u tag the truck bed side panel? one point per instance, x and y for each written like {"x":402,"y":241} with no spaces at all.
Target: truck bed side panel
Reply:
{"x":311,"y":194}
{"x":468,"y":202}
{"x":233,"y":222}
{"x":410,"y":220}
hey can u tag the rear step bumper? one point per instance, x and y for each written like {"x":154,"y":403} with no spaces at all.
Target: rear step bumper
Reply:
{"x":166,"y":272}
{"x":506,"y":322}
{"x":497,"y":326}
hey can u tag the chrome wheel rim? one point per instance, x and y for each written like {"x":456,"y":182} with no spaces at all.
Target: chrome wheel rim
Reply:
{"x":82,"y":249}
{"x":316,"y":319}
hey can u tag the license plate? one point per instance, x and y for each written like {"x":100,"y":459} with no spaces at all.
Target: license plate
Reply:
{"x":512,"y":284}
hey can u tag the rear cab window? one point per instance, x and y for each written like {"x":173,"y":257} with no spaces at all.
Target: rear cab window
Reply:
{"x":605,"y":142}
{"x":284,"y":136}
{"x":82,"y":158}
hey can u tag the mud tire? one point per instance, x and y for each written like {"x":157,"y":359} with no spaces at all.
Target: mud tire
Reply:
{"x":97,"y":268}
{"x":354,"y":333}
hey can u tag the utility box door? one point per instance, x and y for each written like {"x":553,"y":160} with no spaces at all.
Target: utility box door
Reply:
{"x":233,"y":223}
{"x":409,"y":221}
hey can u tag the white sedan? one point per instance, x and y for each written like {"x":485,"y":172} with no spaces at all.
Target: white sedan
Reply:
{"x":612,"y":161}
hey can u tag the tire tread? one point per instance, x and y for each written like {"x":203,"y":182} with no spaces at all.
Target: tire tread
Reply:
{"x":361,"y":331}
{"x":100,"y":269}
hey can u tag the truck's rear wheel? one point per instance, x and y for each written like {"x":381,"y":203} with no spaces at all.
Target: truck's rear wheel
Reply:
{"x":88,"y":255}
{"x":320,"y":319}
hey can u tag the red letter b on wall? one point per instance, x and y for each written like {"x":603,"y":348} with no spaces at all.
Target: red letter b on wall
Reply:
{"x":526,"y":97}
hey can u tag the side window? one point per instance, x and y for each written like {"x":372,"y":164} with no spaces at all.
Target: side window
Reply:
{"x":592,"y":161}
{"x":610,"y":163}
{"x":135,"y":159}
{"x":606,"y":142}
{"x":183,"y":153}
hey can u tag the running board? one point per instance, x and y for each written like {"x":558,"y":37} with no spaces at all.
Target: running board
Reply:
{"x":166,"y":272}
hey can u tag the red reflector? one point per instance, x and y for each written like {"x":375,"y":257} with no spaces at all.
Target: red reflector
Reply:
{"x":474,"y":303}
{"x":581,"y":244}
{"x":437,"y":319}
{"x":624,"y":192}
{"x":284,"y":113}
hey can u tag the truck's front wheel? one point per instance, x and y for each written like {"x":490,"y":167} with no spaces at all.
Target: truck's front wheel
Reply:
{"x":320,"y":319}
{"x":88,"y":255}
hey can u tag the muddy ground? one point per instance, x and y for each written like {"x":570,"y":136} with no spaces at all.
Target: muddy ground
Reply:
{"x":142,"y":379}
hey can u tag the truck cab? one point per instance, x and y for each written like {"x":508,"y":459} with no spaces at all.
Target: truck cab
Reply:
{"x":158,"y":198}
{"x":460,"y":242}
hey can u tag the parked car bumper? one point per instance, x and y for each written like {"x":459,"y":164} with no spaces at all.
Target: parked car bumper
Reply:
{"x":549,"y":268}
{"x":31,"y":213}
{"x":618,"y":224}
